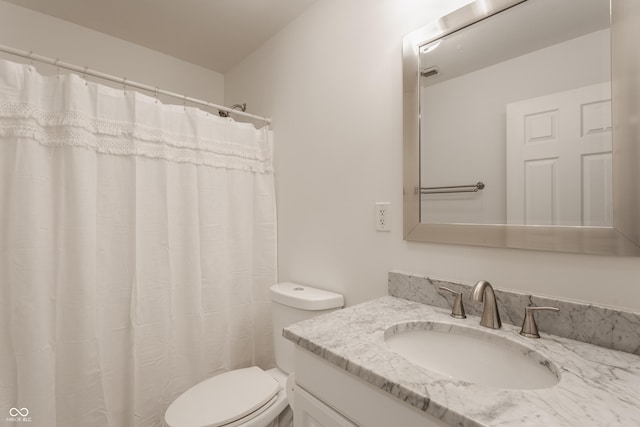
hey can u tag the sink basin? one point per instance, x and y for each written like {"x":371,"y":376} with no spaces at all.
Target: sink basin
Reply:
{"x":472,"y":355}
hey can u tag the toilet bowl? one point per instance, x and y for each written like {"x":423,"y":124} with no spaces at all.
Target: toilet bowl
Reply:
{"x":248,"y":397}
{"x":252,"y":397}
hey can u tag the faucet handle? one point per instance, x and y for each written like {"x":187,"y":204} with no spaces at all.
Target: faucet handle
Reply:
{"x":529,"y":327}
{"x":457,"y":310}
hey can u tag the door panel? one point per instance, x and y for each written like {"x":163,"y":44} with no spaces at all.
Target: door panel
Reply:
{"x":559,"y":159}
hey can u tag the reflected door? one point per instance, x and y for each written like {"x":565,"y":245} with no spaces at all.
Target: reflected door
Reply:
{"x":559,"y":159}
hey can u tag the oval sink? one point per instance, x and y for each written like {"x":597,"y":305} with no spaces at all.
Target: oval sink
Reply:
{"x":472,"y":355}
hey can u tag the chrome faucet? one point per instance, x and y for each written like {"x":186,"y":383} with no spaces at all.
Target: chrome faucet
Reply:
{"x":483,"y":291}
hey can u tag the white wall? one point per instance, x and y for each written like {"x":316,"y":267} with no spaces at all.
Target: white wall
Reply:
{"x":469,"y":131}
{"x":25,"y":29}
{"x":332,"y":82}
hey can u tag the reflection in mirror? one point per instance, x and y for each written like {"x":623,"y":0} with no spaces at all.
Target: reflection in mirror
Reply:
{"x":521,"y":138}
{"x":520,"y":104}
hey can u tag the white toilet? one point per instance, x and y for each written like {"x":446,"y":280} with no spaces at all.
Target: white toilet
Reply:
{"x":251,"y":397}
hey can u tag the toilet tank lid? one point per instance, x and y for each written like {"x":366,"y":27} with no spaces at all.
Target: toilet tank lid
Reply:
{"x":305,"y":297}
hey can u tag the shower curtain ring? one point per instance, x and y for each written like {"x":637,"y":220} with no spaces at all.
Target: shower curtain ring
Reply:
{"x":124,"y":86}
{"x":30,"y":56}
{"x":84,"y":75}
{"x":184,"y":102}
{"x":155,"y":94}
{"x":55,"y":64}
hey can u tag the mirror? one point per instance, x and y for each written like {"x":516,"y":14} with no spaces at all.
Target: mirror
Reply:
{"x":508,"y":132}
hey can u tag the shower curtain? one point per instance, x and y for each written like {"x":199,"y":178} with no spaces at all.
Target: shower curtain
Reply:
{"x":137,"y":245}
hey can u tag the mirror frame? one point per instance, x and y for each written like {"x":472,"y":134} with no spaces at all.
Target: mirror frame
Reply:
{"x":585,"y":240}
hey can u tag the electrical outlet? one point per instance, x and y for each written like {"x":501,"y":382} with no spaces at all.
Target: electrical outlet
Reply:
{"x":383,"y":216}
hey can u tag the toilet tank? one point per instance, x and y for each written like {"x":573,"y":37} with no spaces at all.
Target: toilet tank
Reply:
{"x":292,"y":303}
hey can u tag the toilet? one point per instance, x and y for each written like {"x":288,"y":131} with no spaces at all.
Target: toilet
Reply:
{"x":251,"y":397}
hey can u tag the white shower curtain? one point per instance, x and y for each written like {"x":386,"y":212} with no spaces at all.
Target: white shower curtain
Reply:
{"x":137,"y":245}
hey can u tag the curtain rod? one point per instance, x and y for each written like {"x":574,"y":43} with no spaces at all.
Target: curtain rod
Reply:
{"x":87,"y":71}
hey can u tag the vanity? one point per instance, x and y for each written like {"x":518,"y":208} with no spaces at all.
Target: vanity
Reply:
{"x":350,"y":373}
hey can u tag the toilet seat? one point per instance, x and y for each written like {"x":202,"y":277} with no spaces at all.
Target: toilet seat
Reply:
{"x":225,"y":400}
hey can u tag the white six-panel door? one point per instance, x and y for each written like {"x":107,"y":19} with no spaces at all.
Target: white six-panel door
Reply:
{"x":559,"y":159}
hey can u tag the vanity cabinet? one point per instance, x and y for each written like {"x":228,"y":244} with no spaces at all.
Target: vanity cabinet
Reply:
{"x":327,"y":396}
{"x":311,"y":412}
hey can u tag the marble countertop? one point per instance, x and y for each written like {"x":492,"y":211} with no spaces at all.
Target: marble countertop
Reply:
{"x":597,"y":386}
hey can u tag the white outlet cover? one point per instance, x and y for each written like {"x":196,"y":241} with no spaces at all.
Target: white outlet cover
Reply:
{"x":383,"y":216}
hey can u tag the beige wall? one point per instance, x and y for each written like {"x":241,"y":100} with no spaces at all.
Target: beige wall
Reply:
{"x":31,"y":31}
{"x":332,"y":83}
